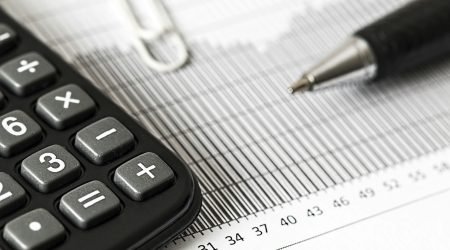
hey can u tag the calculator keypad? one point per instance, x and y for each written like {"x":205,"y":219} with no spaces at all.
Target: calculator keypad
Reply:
{"x":27,"y":73}
{"x":143,"y":176}
{"x":17,"y":132}
{"x":65,"y":106}
{"x":89,"y":204}
{"x":37,"y":229}
{"x":12,"y":195}
{"x":50,"y":194}
{"x":104,"y":141}
{"x":50,"y":168}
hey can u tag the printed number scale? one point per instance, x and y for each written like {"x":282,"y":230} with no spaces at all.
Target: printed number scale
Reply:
{"x":352,"y":207}
{"x":76,"y":171}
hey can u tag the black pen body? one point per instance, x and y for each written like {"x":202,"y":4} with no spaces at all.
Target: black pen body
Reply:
{"x":415,"y":34}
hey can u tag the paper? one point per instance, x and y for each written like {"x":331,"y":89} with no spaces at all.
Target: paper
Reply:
{"x":228,"y":114}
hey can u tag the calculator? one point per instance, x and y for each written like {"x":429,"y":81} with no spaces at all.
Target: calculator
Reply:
{"x":77,"y":172}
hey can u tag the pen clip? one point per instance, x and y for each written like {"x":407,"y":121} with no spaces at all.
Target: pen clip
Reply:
{"x":145,"y":36}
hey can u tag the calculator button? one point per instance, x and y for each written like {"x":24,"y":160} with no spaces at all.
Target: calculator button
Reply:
{"x":12,"y":195}
{"x":143,"y":176}
{"x":65,"y":106}
{"x":27,"y":73}
{"x":50,"y":168}
{"x":17,"y":132}
{"x":89,"y":204}
{"x":104,"y":141}
{"x":8,"y":38}
{"x":37,"y":229}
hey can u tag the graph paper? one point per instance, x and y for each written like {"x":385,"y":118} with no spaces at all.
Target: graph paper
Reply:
{"x":228,"y":114}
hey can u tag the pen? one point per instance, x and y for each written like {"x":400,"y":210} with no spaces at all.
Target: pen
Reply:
{"x":416,"y":34}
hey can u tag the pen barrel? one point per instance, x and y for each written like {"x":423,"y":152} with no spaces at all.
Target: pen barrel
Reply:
{"x":417,"y":33}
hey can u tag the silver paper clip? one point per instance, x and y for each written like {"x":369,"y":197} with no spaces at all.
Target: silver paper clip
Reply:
{"x":145,"y":36}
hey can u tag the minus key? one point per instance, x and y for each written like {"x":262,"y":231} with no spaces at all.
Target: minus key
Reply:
{"x":104,"y":141}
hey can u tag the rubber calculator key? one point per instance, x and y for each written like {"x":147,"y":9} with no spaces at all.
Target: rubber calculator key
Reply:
{"x":65,"y":106}
{"x":89,"y":204}
{"x":35,"y":230}
{"x":12,"y":195}
{"x":27,"y":73}
{"x":143,"y":176}
{"x":8,"y":38}
{"x":104,"y":141}
{"x":50,"y":168}
{"x":17,"y":132}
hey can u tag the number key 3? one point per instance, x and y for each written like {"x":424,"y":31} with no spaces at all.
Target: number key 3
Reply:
{"x":50,"y":168}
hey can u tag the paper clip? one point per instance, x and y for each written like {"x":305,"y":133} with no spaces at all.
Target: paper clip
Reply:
{"x":145,"y":36}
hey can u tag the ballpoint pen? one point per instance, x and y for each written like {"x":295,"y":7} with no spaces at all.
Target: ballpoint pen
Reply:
{"x":413,"y":35}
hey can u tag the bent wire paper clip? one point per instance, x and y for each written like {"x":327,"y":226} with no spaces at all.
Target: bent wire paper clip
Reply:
{"x":145,"y":36}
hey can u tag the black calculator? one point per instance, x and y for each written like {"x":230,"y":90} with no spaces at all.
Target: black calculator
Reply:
{"x":76,"y":171}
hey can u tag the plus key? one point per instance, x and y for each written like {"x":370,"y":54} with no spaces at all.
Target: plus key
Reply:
{"x":143,"y":176}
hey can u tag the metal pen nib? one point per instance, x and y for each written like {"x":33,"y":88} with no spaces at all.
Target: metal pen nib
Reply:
{"x":302,"y":84}
{"x":353,"y":60}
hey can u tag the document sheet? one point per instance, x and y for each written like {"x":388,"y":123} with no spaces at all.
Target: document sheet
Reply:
{"x":356,"y":166}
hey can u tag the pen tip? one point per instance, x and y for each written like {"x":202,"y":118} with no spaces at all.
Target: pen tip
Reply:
{"x":303,"y":84}
{"x":291,"y":90}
